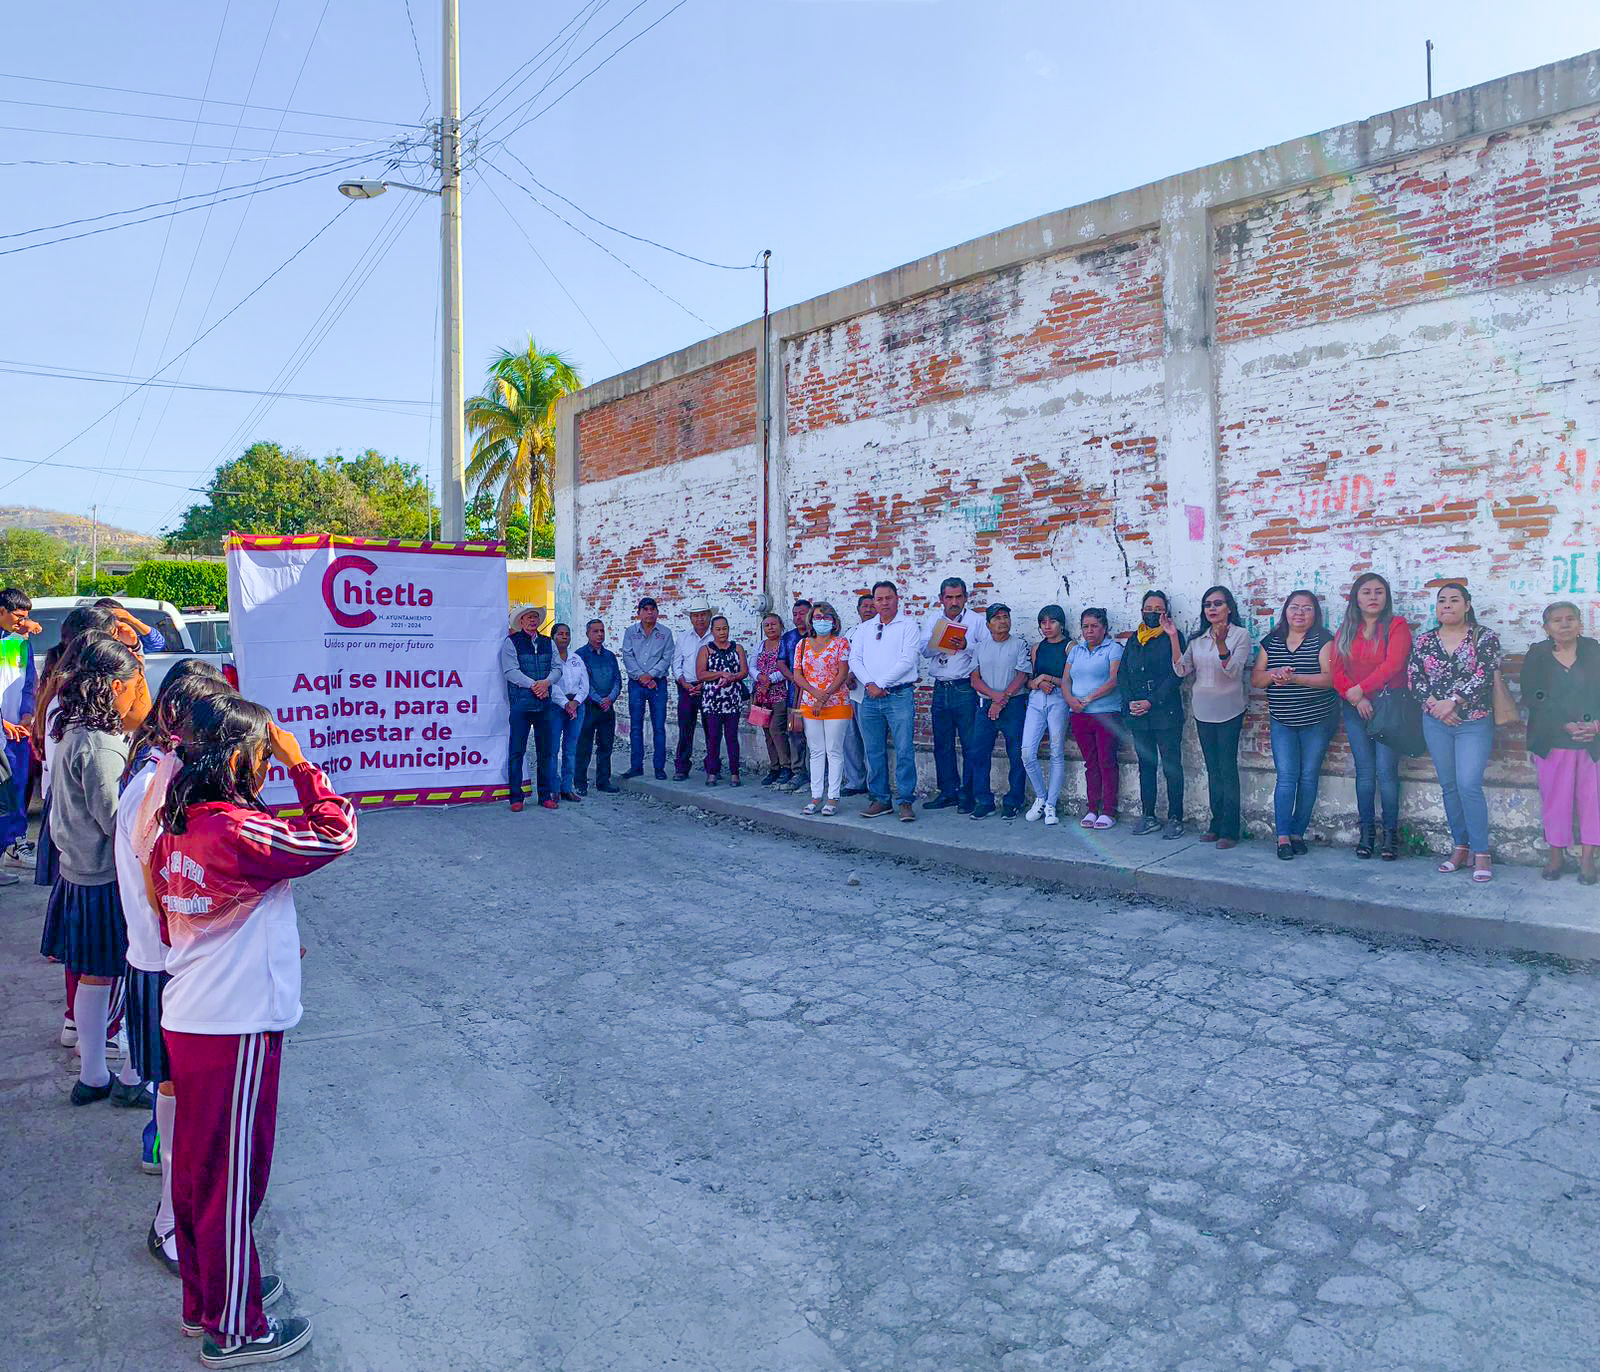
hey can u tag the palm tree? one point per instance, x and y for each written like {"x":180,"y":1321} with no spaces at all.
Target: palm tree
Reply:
{"x":513,"y":428}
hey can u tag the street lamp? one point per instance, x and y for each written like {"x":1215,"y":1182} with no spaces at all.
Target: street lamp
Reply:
{"x":452,"y":427}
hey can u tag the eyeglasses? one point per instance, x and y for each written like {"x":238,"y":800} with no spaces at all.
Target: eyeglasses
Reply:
{"x":879,"y":634}
{"x":1216,"y":604}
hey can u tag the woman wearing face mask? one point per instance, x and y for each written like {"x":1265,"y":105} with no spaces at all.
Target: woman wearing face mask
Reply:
{"x":1561,"y":688}
{"x":1452,"y":671}
{"x":1154,"y":710}
{"x":1047,"y":712}
{"x":1096,"y":705}
{"x":1370,"y":653}
{"x":1216,"y":658}
{"x":821,"y":671}
{"x":1293,"y":665}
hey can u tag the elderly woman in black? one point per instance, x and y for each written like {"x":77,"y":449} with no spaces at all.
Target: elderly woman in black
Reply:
{"x":1153,"y":709}
{"x":1561,"y":688}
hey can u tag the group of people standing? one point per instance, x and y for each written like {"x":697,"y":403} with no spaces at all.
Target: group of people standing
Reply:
{"x":171,"y":912}
{"x":835,"y":705}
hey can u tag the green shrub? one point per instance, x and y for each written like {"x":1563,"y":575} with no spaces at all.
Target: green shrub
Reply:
{"x":182,"y":583}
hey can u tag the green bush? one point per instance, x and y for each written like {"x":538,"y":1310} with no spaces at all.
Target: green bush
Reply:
{"x":182,"y":583}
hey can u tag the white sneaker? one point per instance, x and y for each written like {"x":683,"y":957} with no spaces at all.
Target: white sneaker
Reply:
{"x":1035,"y":810}
{"x":1087,"y":822}
{"x":1050,"y":815}
{"x":69,"y":1034}
{"x":113,"y":1047}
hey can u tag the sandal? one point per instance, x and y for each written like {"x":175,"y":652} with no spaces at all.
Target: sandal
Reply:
{"x":829,"y":809}
{"x":1486,"y":871}
{"x":1455,"y":863}
{"x":811,"y":808}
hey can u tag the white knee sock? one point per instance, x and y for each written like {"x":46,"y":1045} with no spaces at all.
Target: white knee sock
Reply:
{"x":166,"y":1119}
{"x":91,"y":1009}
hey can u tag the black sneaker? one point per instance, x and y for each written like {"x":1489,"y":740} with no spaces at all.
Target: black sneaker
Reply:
{"x":583,"y":788}
{"x":1174,"y":829}
{"x":661,"y":774}
{"x":633,"y":772}
{"x":1148,"y":825}
{"x":1010,"y":811}
{"x":854,"y":791}
{"x":154,"y":1242}
{"x":982,"y":811}
{"x":940,"y":803}
{"x":284,"y":1339}
{"x":271,"y":1289}
{"x":771,"y":778}
{"x":963,"y":807}
{"x":607,"y":787}
{"x":84,"y":1094}
{"x":131,"y":1097}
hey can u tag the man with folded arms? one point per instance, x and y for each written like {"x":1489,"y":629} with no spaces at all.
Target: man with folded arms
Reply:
{"x":884,"y":656}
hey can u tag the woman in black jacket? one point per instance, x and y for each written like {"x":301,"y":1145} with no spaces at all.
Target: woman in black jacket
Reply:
{"x":1153,"y":707}
{"x":1561,"y":688}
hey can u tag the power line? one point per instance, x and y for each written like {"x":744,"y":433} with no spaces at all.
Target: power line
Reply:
{"x":483,"y":108}
{"x":416,"y":47}
{"x":373,"y":402}
{"x":126,"y":476}
{"x":539,"y":114}
{"x":94,"y":423}
{"x":637,"y":238}
{"x":175,"y":143}
{"x":516,"y":224}
{"x":607,"y":251}
{"x":201,"y":100}
{"x":133,"y":223}
{"x":168,"y":118}
{"x":562,"y":71}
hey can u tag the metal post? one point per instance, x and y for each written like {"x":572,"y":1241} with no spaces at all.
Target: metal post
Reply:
{"x":452,"y":478}
{"x":94,"y":544}
{"x":1430,"y":68}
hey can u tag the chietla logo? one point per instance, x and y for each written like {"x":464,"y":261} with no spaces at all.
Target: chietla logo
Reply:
{"x":348,"y":583}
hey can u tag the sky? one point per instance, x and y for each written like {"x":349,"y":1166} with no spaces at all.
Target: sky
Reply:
{"x":846,"y":136}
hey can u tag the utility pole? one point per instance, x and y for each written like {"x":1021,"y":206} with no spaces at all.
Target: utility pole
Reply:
{"x":1429,"y":51}
{"x":94,"y":543}
{"x":452,"y":489}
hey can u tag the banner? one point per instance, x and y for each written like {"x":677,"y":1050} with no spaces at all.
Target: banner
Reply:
{"x":381,"y":657}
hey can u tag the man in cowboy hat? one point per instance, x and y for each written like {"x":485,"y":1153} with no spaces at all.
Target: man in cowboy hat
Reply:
{"x":532,"y":671}
{"x":689,"y":642}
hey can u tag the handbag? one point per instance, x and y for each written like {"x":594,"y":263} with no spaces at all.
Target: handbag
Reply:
{"x":760,"y":716}
{"x":1397,"y":721}
{"x":1505,"y":707}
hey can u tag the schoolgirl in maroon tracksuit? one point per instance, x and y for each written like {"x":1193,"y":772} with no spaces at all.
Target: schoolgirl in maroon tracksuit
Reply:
{"x":220,"y":872}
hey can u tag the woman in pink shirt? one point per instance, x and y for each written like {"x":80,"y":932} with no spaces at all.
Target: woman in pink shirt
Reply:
{"x":1369,"y":655}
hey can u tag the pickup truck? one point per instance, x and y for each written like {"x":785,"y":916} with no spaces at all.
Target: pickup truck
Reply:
{"x":205,"y":639}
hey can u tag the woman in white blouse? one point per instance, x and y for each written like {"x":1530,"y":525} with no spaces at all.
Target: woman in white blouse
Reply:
{"x":1217,"y":658}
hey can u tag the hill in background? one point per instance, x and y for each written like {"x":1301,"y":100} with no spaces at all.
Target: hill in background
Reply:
{"x":76,"y":530}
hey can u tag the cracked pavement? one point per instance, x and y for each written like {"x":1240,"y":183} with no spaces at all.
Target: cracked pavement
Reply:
{"x":634,"y":1087}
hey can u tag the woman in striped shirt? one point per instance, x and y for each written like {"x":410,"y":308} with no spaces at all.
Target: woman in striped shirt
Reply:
{"x":1295,"y":668}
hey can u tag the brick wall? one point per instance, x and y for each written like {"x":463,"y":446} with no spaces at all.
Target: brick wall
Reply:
{"x":666,"y":501}
{"x":1378,"y":348}
{"x":1007,"y":429}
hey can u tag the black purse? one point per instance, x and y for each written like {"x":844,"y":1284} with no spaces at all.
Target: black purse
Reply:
{"x":1397,"y":721}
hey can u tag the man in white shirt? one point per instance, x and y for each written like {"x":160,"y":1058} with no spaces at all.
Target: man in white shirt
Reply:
{"x":950,"y":640}
{"x":883,"y":656}
{"x":855,"y":756}
{"x":688,"y":643}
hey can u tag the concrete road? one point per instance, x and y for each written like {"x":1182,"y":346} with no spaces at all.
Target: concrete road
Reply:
{"x":629,"y":1087}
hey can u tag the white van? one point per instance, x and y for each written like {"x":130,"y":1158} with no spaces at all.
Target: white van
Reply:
{"x":179,"y":639}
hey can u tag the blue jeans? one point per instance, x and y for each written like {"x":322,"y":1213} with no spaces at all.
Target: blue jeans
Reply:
{"x":1377,"y":772}
{"x":568,"y":730}
{"x":1297,"y":751}
{"x":855,"y":753}
{"x":884,"y":720}
{"x":546,"y":755}
{"x":638,"y":700}
{"x":954,"y":704}
{"x":1460,"y":753}
{"x":1047,"y":711}
{"x":984,"y":733}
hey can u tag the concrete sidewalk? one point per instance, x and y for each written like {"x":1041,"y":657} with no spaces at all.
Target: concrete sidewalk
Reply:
{"x":1517,"y":911}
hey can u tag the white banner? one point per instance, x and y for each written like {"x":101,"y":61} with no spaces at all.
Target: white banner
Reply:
{"x":382,"y":658}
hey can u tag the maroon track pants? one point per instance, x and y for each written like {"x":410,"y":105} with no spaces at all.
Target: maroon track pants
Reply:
{"x":227,"y":1088}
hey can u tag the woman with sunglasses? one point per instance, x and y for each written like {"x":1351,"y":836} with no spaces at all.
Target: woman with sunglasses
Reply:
{"x":1216,"y":658}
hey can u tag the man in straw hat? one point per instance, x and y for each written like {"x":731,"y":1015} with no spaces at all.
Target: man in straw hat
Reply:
{"x":532,"y":671}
